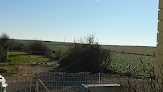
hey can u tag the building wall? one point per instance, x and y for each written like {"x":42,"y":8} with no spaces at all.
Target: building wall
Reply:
{"x":159,"y":49}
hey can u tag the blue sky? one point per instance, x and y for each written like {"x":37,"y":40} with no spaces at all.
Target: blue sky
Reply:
{"x":113,"y":22}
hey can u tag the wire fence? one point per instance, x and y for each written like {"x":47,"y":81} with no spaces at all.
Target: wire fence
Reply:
{"x":53,"y":81}
{"x":65,"y":82}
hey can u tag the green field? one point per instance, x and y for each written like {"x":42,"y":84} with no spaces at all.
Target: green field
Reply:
{"x":135,"y":64}
{"x":56,"y":47}
{"x":143,"y":50}
{"x":15,"y":58}
{"x":120,"y":62}
{"x":23,"y":57}
{"x":52,"y":45}
{"x":133,"y":59}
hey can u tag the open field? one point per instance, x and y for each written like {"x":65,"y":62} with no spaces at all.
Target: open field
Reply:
{"x":133,"y":59}
{"x":143,"y":50}
{"x":52,"y":45}
{"x":135,"y":64}
{"x":55,"y":47}
{"x":120,"y":62}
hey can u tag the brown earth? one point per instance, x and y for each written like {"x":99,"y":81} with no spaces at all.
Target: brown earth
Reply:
{"x":25,"y":69}
{"x":27,"y":72}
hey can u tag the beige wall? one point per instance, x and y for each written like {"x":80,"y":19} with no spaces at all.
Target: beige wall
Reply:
{"x":159,"y":49}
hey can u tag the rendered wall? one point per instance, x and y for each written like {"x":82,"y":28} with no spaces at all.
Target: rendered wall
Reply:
{"x":159,"y":49}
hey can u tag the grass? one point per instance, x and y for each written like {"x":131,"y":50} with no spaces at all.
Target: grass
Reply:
{"x":23,"y":57}
{"x":144,"y":50}
{"x":10,"y":68}
{"x":135,"y":64}
{"x":121,"y":62}
{"x":56,"y":47}
{"x":20,"y":58}
{"x":51,"y":44}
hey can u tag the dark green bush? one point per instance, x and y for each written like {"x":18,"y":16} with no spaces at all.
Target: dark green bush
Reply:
{"x":3,"y":39}
{"x":57,"y":55}
{"x":86,"y":56}
{"x":36,"y":47}
{"x":1,"y":53}
{"x":13,"y":45}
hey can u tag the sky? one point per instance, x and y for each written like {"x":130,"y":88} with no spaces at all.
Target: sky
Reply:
{"x":112,"y":22}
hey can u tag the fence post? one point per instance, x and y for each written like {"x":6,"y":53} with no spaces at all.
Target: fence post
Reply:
{"x":44,"y":85}
{"x":99,"y":77}
{"x":37,"y":83}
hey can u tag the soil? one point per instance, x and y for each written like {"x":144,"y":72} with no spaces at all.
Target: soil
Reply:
{"x":25,"y":69}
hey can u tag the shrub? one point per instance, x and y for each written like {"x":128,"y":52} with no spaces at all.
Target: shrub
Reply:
{"x":13,"y":45}
{"x":3,"y":38}
{"x":56,"y":55}
{"x":86,"y":56}
{"x":36,"y":47}
{"x":1,"y":53}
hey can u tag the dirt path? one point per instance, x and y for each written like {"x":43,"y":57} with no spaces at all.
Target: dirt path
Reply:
{"x":24,"y":69}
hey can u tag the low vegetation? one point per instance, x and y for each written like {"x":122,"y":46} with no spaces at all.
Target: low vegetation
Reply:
{"x":1,"y":54}
{"x":23,"y":57}
{"x":16,"y":58}
{"x":14,"y":45}
{"x":130,"y":63}
{"x":36,"y":47}
{"x":86,"y":56}
{"x":3,"y":39}
{"x":83,"y":56}
{"x":9,"y":68}
{"x":139,"y":50}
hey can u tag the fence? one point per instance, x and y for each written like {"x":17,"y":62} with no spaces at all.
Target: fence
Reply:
{"x":53,"y":81}
{"x":63,"y":82}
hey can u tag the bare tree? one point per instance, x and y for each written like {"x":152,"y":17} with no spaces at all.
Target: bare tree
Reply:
{"x":4,"y":38}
